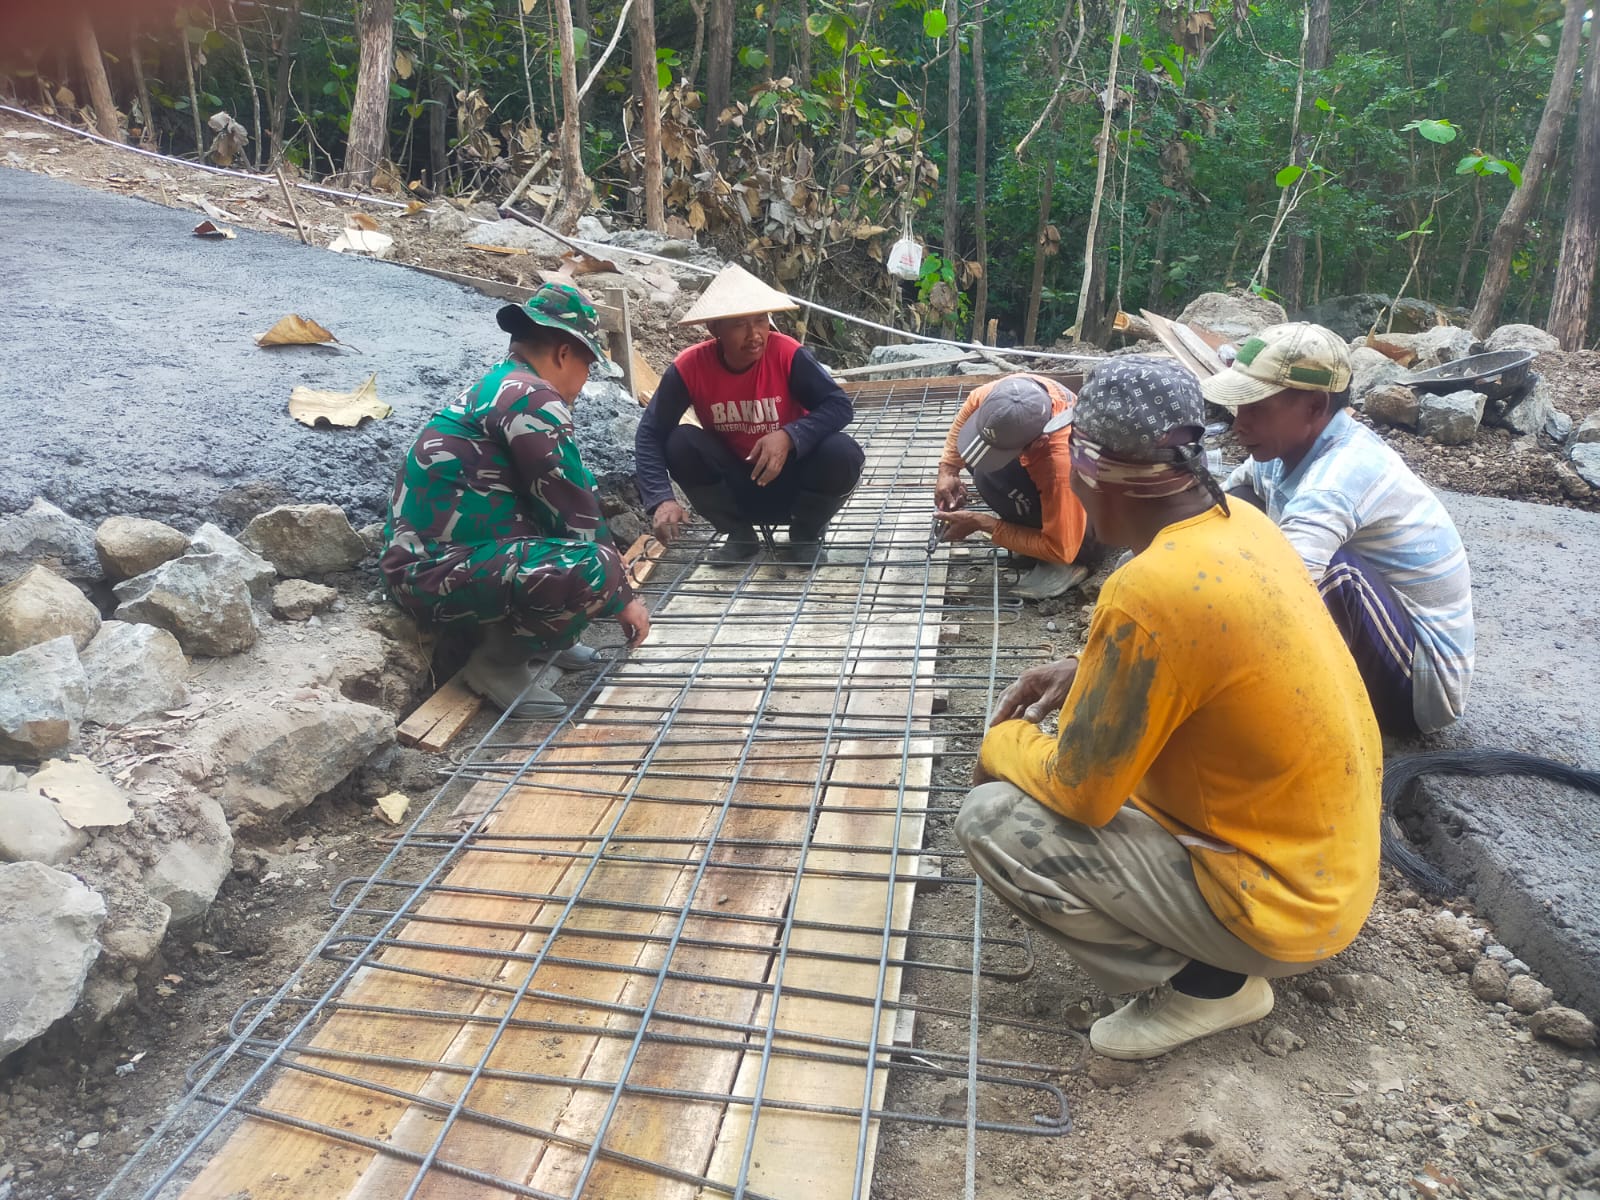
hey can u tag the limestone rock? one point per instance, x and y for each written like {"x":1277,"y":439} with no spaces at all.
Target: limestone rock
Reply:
{"x":1489,"y":981}
{"x":133,"y":670}
{"x":1451,"y":420}
{"x":1393,"y":404}
{"x":303,"y":540}
{"x":131,"y":937}
{"x":1443,"y":344}
{"x":52,"y":923}
{"x":43,"y":691}
{"x":1587,"y":430}
{"x":1526,"y":994}
{"x":42,"y":534}
{"x":31,"y":830}
{"x":1521,"y":337}
{"x":1586,"y":461}
{"x":372,"y":536}
{"x":1558,"y":426}
{"x":272,"y":759}
{"x":1233,"y":315}
{"x":40,"y":605}
{"x":1353,"y":316}
{"x":192,"y":867}
{"x":1583,"y":1101}
{"x":1531,"y":412}
{"x":1565,"y":1025}
{"x":129,"y":546}
{"x":201,"y":599}
{"x":1369,"y":370}
{"x":515,"y":235}
{"x":255,"y":571}
{"x":300,"y":599}
{"x":378,"y":670}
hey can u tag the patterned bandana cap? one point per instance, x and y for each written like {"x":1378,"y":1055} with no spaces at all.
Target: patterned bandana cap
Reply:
{"x":558,"y":306}
{"x":1295,"y":355}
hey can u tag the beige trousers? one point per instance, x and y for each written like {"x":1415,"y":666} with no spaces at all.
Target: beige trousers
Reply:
{"x":1122,"y":899}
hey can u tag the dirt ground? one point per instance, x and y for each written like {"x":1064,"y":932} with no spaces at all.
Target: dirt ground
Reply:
{"x":1380,"y":1074}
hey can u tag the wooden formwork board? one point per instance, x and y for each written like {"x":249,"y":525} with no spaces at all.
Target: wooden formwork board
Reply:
{"x":605,"y":963}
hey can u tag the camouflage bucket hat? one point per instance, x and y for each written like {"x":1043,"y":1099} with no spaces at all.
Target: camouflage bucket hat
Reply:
{"x":558,"y":306}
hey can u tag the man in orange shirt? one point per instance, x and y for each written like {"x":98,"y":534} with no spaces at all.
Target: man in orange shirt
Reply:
{"x":1206,"y":819}
{"x":1012,"y":436}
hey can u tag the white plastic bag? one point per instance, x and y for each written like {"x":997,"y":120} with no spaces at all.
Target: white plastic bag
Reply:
{"x":905,"y":259}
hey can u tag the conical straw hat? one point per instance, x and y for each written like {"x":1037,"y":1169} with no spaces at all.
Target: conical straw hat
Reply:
{"x":736,"y":293}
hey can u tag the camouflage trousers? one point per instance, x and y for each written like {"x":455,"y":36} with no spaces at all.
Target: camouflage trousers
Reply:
{"x":1122,"y":899}
{"x":547,"y":589}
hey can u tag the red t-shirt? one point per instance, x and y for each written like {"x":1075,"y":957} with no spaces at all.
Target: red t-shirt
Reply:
{"x":745,"y":407}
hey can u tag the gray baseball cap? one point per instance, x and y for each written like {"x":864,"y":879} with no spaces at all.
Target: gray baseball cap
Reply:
{"x":1015,"y":413}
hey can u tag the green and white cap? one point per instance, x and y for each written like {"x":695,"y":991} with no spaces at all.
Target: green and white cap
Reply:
{"x":1295,"y":355}
{"x":558,"y":306}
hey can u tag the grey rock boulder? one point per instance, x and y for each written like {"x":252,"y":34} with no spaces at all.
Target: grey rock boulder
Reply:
{"x":201,"y":599}
{"x":305,"y":540}
{"x":1558,"y":426}
{"x":266,"y":759}
{"x":129,"y":546}
{"x":1393,"y":404}
{"x":1521,"y":337}
{"x":1233,"y":315}
{"x":1369,"y":370}
{"x":300,"y":599}
{"x":256,"y":572}
{"x":133,"y":670}
{"x":591,"y":229}
{"x":43,"y":691}
{"x":31,"y":830}
{"x":1451,"y":420}
{"x":912,"y":359}
{"x":1587,"y":430}
{"x":39,"y":605}
{"x":1532,"y":412}
{"x":1443,"y":344}
{"x":51,"y":923}
{"x":1586,"y":461}
{"x":43,"y":534}
{"x":192,"y":866}
{"x":517,"y":236}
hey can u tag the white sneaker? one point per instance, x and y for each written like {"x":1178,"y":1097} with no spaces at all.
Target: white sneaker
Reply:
{"x":577,"y":657}
{"x":1161,"y":1020}
{"x":1051,"y":579}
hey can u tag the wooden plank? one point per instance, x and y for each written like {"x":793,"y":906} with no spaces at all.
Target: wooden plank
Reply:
{"x":508,"y":251}
{"x":645,"y":379}
{"x":438,"y":719}
{"x":622,"y":336}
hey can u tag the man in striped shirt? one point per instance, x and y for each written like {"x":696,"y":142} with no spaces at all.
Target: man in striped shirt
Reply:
{"x":1382,"y":549}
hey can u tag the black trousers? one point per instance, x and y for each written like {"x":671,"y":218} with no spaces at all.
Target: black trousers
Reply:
{"x":1012,"y":493}
{"x":697,"y":458}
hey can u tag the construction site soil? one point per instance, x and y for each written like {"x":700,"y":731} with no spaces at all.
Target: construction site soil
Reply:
{"x":1380,"y":1074}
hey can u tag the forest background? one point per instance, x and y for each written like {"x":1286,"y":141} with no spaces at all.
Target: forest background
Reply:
{"x":1061,"y":160}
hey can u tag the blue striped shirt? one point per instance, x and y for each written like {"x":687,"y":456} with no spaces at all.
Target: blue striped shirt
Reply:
{"x":1353,"y":491}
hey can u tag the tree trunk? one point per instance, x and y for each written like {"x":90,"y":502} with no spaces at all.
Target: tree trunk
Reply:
{"x":952,"y":142}
{"x":980,"y":165}
{"x":804,"y":34}
{"x":250,"y":82}
{"x":194,"y":92}
{"x":1507,"y":235}
{"x":280,"y":91}
{"x":644,"y":53}
{"x":575,"y":189}
{"x":699,"y":9}
{"x":1030,"y":328}
{"x":147,"y":116}
{"x":1158,"y":258}
{"x":582,"y":20}
{"x":1318,"y":55}
{"x":440,"y":93}
{"x":368,"y":143}
{"x":94,"y":74}
{"x":1574,"y":285}
{"x":1102,"y":155}
{"x":719,"y":73}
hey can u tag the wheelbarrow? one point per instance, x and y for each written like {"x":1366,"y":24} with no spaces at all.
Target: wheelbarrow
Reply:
{"x":1498,"y":375}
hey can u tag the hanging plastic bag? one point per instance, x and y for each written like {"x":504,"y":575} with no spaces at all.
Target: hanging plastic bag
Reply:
{"x":905,"y":257}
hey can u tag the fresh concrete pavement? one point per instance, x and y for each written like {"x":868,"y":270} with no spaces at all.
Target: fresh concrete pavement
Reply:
{"x":132,"y":384}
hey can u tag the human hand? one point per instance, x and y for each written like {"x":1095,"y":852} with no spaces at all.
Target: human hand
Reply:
{"x":1038,"y":692}
{"x":949,"y":493}
{"x":963,"y":523}
{"x":668,"y":518}
{"x":635,"y":622}
{"x":768,"y":456}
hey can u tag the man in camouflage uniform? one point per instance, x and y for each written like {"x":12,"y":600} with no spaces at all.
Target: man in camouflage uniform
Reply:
{"x":495,"y":520}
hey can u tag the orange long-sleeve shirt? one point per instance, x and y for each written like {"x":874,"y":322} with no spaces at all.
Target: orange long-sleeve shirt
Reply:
{"x":1050,"y":468}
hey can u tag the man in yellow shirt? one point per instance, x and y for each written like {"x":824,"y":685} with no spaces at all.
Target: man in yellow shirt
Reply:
{"x":1207,"y":817}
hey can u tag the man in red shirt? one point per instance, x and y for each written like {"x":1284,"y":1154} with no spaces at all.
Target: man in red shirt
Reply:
{"x":768,"y":447}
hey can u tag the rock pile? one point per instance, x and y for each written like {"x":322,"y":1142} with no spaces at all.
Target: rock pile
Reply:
{"x":102,"y":852}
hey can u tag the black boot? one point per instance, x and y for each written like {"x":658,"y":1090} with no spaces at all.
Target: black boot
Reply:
{"x":808,"y":522}
{"x":717,"y":506}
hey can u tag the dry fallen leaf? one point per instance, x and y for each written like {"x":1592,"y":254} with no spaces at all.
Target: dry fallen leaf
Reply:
{"x":361,"y":221}
{"x":209,"y":229}
{"x":587,"y":264}
{"x":343,"y":409}
{"x":295,"y":330}
{"x":392,"y":808}
{"x":84,"y":796}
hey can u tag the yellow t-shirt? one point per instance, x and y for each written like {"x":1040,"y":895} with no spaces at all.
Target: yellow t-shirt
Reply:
{"x":1216,"y":691}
